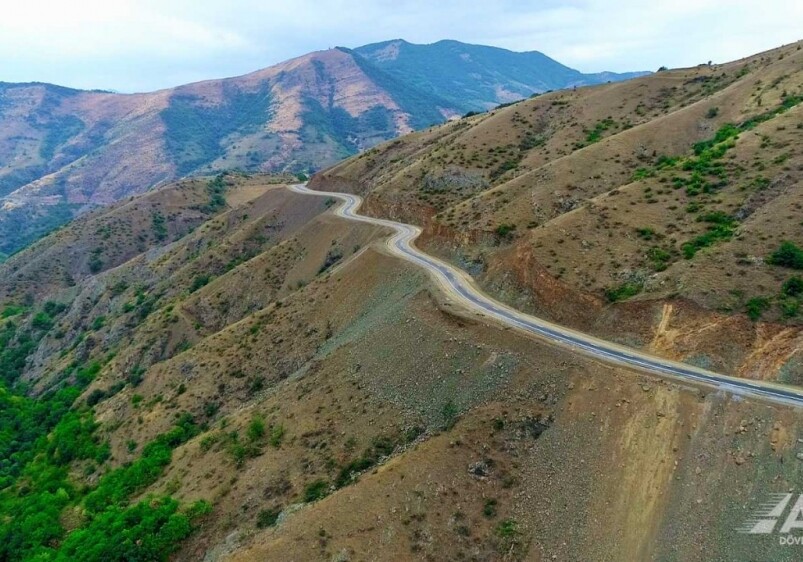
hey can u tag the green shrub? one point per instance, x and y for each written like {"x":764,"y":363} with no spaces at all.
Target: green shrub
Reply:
{"x":98,"y":323}
{"x":505,"y":230}
{"x":159,"y":226}
{"x":95,"y":397}
{"x":715,"y":234}
{"x":646,"y":233}
{"x":148,"y":530}
{"x":623,"y":291}
{"x":256,"y":429}
{"x":787,"y":255}
{"x":268,"y":517}
{"x":95,"y":261}
{"x":348,"y":472}
{"x":507,"y":528}
{"x":449,"y":413}
{"x":756,"y":307}
{"x":659,"y":258}
{"x":793,"y":286}
{"x":42,"y":321}
{"x":12,"y":310}
{"x":200,"y":281}
{"x":790,"y":307}
{"x":316,"y":490}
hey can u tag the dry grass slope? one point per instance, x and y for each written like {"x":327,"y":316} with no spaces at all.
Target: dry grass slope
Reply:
{"x":672,"y":189}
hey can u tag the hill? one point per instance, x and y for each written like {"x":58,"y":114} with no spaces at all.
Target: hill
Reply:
{"x":648,"y":211}
{"x":221,"y":369}
{"x":64,"y":151}
{"x":228,"y":372}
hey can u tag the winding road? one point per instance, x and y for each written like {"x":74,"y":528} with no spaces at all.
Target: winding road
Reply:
{"x":461,"y":288}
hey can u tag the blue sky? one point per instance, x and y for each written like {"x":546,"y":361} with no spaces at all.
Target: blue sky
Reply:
{"x":143,"y":45}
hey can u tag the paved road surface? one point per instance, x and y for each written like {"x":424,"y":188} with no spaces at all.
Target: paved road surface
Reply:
{"x":460,"y":287}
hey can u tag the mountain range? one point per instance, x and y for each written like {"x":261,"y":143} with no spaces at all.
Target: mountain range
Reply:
{"x":225,"y":369}
{"x":64,"y":151}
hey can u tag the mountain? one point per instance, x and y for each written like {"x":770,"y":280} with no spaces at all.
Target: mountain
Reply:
{"x":223,"y":369}
{"x":476,"y":77}
{"x":64,"y":151}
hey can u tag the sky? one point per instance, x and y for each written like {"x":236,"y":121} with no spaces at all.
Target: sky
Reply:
{"x":144,"y":45}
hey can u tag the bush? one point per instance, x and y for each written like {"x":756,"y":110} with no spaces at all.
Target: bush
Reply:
{"x":790,"y":308}
{"x":787,"y":255}
{"x":200,"y":281}
{"x":316,"y":490}
{"x":450,"y":414}
{"x":756,"y":306}
{"x":505,"y":230}
{"x":268,"y":517}
{"x":715,"y":234}
{"x":42,"y":321}
{"x":507,"y":528}
{"x":159,"y":226}
{"x":348,"y":473}
{"x":95,"y":396}
{"x":256,"y":429}
{"x":95,"y":262}
{"x":623,"y":291}
{"x":646,"y":233}
{"x":793,"y":286}
{"x":152,"y":531}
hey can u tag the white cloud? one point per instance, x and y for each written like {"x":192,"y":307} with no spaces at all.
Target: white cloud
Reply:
{"x":146,"y":44}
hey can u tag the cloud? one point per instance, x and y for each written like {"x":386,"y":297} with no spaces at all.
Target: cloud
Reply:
{"x":135,"y":45}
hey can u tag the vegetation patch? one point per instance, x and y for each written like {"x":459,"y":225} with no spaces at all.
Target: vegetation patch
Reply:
{"x":195,"y":130}
{"x":623,"y":291}
{"x":42,"y":439}
{"x":381,"y":447}
{"x":505,"y":230}
{"x":756,"y":307}
{"x":788,"y":255}
{"x":722,"y":228}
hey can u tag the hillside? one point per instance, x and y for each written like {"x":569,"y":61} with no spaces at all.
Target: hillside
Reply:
{"x":237,"y":374}
{"x":64,"y":151}
{"x":476,"y":77}
{"x":221,"y":369}
{"x":661,"y":212}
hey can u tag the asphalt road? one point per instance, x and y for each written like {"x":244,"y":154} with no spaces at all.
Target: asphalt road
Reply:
{"x":460,"y":287}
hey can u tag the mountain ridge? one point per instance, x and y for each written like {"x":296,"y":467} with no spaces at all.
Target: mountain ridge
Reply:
{"x":64,"y":151}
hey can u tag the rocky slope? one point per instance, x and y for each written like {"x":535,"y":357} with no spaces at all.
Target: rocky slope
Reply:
{"x":64,"y":151}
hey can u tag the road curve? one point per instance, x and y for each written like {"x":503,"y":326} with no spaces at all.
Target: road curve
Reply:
{"x":460,"y":287}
